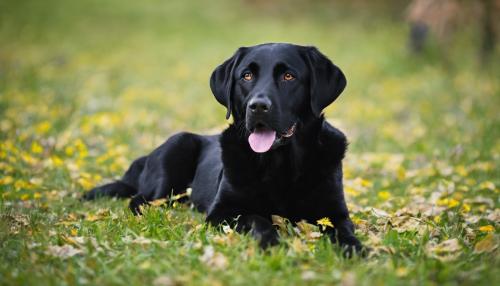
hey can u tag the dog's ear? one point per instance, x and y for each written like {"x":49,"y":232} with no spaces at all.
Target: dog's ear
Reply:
{"x":222,"y":80}
{"x":327,"y":80}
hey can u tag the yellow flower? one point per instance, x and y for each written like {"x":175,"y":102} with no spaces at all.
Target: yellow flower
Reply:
{"x":36,"y":148}
{"x":351,"y":191}
{"x":465,"y":208}
{"x":366,"y":183}
{"x":384,"y":195}
{"x":69,"y":150}
{"x":460,"y":169}
{"x":437,"y":219}
{"x":96,"y":177}
{"x":56,"y":161}
{"x":401,"y":173}
{"x":450,"y":203}
{"x":29,"y":159}
{"x":37,"y":195}
{"x":20,"y":184}
{"x":85,"y":183}
{"x":487,"y":228}
{"x":356,"y":220}
{"x":25,"y":197}
{"x":74,"y":232}
{"x":324,"y":223}
{"x":81,"y":147}
{"x":42,"y":127}
{"x":6,"y":180}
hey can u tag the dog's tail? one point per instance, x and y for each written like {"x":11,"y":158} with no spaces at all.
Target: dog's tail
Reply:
{"x":124,"y":188}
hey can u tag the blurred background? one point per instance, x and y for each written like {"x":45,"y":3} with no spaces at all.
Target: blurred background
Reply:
{"x":423,"y":76}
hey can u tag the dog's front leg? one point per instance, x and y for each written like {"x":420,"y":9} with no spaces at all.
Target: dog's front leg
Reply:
{"x":343,"y":234}
{"x":259,"y":227}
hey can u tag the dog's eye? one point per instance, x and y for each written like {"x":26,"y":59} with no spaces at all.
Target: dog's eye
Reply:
{"x":288,"y":76}
{"x":248,"y":76}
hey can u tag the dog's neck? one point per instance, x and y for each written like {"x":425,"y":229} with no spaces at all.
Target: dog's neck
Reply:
{"x":294,"y":156}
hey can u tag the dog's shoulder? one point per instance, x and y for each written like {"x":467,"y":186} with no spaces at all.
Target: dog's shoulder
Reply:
{"x":231,"y":138}
{"x":234,"y":147}
{"x":332,"y":142}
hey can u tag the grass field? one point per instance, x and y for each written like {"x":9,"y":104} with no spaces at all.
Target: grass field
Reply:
{"x":87,"y":86}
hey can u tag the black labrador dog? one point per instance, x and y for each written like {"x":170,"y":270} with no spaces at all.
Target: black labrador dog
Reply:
{"x":279,"y":157}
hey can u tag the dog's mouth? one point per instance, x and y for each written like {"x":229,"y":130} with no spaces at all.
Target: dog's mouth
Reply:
{"x":263,"y":138}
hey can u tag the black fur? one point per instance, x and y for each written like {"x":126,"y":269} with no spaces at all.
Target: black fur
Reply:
{"x":299,"y":178}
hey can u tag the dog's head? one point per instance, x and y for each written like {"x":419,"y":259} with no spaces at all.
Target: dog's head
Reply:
{"x":271,"y":88}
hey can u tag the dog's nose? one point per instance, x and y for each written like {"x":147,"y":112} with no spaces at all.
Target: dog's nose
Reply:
{"x":259,"y":105}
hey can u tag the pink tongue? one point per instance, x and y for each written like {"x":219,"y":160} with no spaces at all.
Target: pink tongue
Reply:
{"x":261,"y":141}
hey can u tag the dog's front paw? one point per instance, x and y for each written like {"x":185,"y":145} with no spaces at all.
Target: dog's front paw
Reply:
{"x":351,"y":247}
{"x":264,"y":232}
{"x":136,"y":203}
{"x":266,"y":238}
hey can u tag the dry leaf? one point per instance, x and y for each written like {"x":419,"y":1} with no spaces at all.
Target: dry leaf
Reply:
{"x":164,"y":280}
{"x":159,"y":202}
{"x":138,"y":240}
{"x":308,"y":275}
{"x":379,"y":212}
{"x":102,"y":213}
{"x":494,"y":216}
{"x":445,"y":251}
{"x":298,"y":246}
{"x":305,"y":229}
{"x":16,"y":222}
{"x":75,"y":240}
{"x":402,"y":271}
{"x":213,"y":259}
{"x":64,"y":251}
{"x":487,"y":244}
{"x":278,"y":221}
{"x":348,"y":279}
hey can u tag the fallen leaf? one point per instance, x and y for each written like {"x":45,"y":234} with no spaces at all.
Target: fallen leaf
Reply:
{"x":348,"y":279}
{"x":75,"y":240}
{"x":487,"y":244}
{"x":401,"y":271}
{"x":307,"y":231}
{"x":164,"y":280}
{"x":297,"y":245}
{"x":379,"y":212}
{"x":308,"y":275}
{"x":213,"y":259}
{"x":159,"y":202}
{"x":101,"y":214}
{"x":64,"y":251}
{"x":494,"y":216}
{"x":279,"y":221}
{"x":488,"y":185}
{"x":447,"y":250}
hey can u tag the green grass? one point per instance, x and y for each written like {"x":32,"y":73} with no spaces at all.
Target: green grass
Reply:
{"x":87,"y":86}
